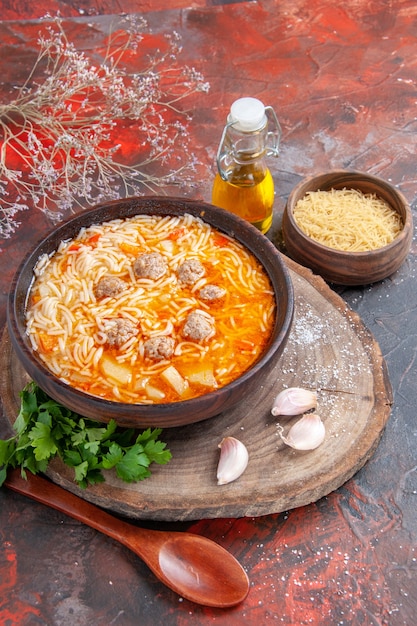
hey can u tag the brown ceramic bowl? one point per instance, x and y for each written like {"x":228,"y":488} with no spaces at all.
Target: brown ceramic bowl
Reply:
{"x":348,"y":268}
{"x":163,"y":415}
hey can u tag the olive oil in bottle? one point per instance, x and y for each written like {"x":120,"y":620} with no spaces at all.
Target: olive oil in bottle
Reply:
{"x":244,"y":184}
{"x":249,"y":193}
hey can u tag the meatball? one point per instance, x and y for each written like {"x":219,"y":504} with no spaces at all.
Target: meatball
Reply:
{"x":152,"y":265}
{"x":212,"y":292}
{"x":118,"y":331}
{"x":198,"y":327}
{"x":190,"y":271}
{"x":109,"y":286}
{"x":158,"y":348}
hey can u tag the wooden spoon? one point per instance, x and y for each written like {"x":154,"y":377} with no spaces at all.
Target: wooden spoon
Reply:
{"x":193,"y":566}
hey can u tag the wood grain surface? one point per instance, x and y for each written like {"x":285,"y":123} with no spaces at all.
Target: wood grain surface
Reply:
{"x":330,"y":350}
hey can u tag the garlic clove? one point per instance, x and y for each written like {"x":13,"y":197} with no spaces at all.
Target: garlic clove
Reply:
{"x":306,"y":434}
{"x":294,"y":401}
{"x":233,"y":460}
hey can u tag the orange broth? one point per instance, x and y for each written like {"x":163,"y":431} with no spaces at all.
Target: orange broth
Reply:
{"x":65,"y":319}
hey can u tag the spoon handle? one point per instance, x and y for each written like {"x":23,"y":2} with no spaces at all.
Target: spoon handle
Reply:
{"x":46,"y":492}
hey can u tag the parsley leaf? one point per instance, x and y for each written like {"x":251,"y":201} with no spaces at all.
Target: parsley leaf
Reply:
{"x":134,"y":465}
{"x":45,"y":429}
{"x":42,"y":441}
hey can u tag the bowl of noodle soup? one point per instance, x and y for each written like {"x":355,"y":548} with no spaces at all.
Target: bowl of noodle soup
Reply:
{"x":349,"y":227}
{"x":151,"y":311}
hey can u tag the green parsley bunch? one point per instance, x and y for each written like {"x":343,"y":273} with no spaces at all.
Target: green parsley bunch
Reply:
{"x":46,"y":429}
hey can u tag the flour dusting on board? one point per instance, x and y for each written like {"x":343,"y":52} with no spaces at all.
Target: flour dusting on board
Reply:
{"x":322,"y":355}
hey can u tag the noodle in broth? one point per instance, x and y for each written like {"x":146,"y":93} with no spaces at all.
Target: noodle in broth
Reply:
{"x":150,"y":309}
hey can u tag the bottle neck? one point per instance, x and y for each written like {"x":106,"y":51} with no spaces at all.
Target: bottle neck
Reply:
{"x":241,"y":148}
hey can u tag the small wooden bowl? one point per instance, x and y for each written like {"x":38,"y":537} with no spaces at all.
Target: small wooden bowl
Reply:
{"x":168,"y":414}
{"x":340,"y":267}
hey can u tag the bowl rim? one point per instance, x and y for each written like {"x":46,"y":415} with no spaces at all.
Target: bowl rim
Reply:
{"x":399,"y":239}
{"x":253,"y":240}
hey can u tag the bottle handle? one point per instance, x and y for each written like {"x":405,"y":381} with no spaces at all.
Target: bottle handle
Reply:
{"x":224,"y":153}
{"x":274,"y":132}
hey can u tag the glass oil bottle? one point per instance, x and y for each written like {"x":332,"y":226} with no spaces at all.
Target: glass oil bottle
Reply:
{"x":243,"y":183}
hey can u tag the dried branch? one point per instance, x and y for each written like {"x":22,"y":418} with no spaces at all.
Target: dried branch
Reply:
{"x":58,"y":136}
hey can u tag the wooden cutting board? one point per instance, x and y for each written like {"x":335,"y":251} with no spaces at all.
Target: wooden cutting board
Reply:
{"x":329,"y":350}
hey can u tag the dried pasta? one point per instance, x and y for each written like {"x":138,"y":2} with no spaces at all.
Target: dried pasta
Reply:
{"x":347,"y":219}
